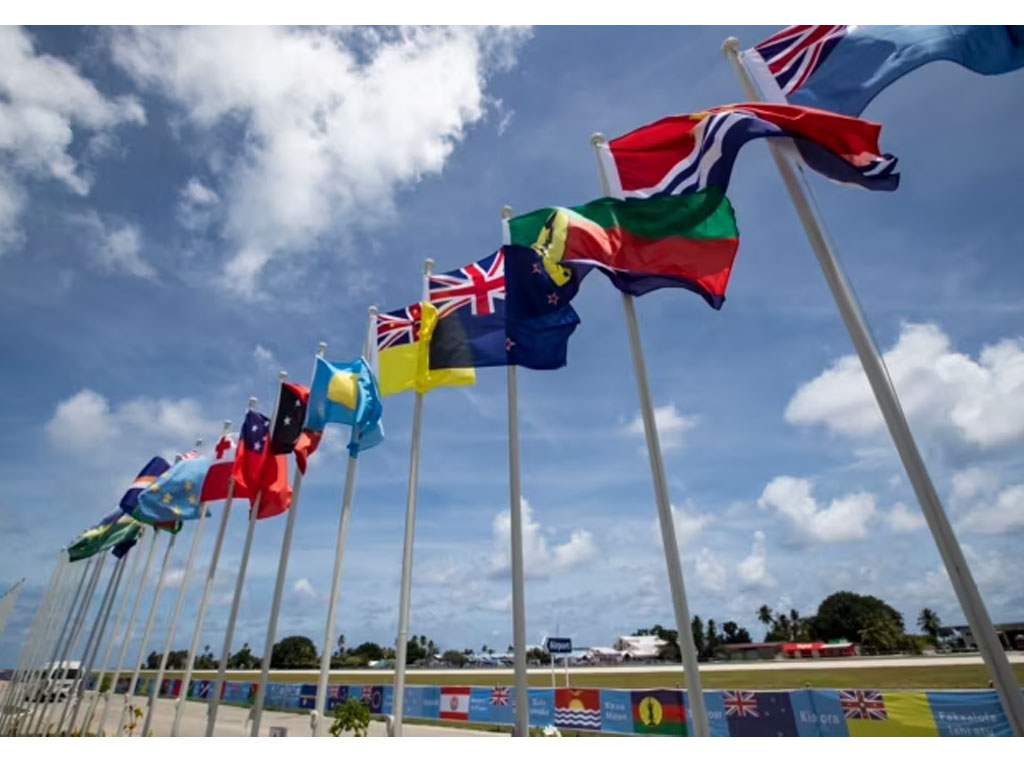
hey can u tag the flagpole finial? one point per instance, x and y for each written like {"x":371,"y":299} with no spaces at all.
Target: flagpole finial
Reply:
{"x":321,"y":349}
{"x":252,"y":403}
{"x":731,"y":44}
{"x":283,"y":375}
{"x":227,"y":426}
{"x":199,"y":443}
{"x":428,"y":267}
{"x":506,"y":212}
{"x":597,"y":139}
{"x":372,"y":310}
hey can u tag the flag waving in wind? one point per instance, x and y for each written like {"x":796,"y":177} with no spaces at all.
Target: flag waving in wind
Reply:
{"x":346,"y":393}
{"x":175,"y":494}
{"x":403,"y":351}
{"x":218,"y":478}
{"x":258,"y":471}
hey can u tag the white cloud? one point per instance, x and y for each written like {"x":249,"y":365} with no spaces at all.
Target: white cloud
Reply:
{"x":197,"y":205}
{"x":973,"y":482}
{"x":844,"y":519}
{"x":540,"y":559}
{"x":302,"y":588}
{"x":265,"y":360}
{"x":979,"y":403}
{"x":688,"y":523}
{"x":86,"y":423}
{"x":711,"y":571}
{"x":671,"y":424}
{"x":902,"y":519}
{"x":753,"y":569}
{"x":335,"y":120}
{"x":115,"y":244}
{"x":996,"y":514}
{"x":46,"y":104}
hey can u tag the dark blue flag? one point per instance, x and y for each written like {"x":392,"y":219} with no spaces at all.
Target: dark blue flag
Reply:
{"x":502,"y":310}
{"x":153,"y":469}
{"x":752,"y":713}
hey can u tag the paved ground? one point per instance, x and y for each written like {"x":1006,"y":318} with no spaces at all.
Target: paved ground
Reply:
{"x":232,"y":721}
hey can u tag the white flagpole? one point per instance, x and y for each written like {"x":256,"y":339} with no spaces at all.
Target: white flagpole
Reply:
{"x":369,"y":347}
{"x":93,"y":646}
{"x":129,"y":627}
{"x":64,"y":658}
{"x":33,"y":642}
{"x":65,"y":608}
{"x":1003,"y":678}
{"x":222,"y":667}
{"x":154,"y":694}
{"x":205,"y":602}
{"x":110,"y":643}
{"x":401,"y":643}
{"x":282,"y":573}
{"x":522,"y":699}
{"x":130,"y":691}
{"x":687,"y":647}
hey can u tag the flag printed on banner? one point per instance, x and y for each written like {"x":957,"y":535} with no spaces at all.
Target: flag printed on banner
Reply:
{"x":659,"y":712}
{"x":345,"y":393}
{"x":175,"y":494}
{"x":689,"y":153}
{"x":506,"y":309}
{"x":499,"y":696}
{"x":863,"y":705}
{"x":403,"y":352}
{"x":454,"y":702}
{"x":674,"y":241}
{"x":373,"y":697}
{"x":218,"y":476}
{"x":760,"y":713}
{"x":842,"y":67}
{"x":578,"y":708}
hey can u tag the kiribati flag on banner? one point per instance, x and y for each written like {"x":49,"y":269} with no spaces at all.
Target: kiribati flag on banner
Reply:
{"x":751,"y":713}
{"x":688,"y":153}
{"x":578,"y":708}
{"x":842,"y":67}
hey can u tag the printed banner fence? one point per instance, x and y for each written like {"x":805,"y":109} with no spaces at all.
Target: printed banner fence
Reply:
{"x":656,"y":712}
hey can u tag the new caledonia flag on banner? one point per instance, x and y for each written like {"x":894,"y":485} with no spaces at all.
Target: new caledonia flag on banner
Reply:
{"x":502,"y":310}
{"x":842,"y":67}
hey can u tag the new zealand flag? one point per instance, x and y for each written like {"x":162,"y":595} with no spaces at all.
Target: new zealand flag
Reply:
{"x":752,"y":713}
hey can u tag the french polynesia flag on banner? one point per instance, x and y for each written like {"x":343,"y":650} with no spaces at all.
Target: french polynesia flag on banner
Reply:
{"x":455,"y":703}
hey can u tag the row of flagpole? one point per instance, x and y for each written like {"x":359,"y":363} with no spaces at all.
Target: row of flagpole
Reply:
{"x":76,"y":610}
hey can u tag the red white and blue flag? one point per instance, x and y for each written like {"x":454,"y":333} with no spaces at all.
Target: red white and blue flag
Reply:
{"x":863,"y":705}
{"x":688,"y":153}
{"x":401,"y":326}
{"x":796,"y":53}
{"x":740,"y":703}
{"x":499,"y":696}
{"x":478,"y":286}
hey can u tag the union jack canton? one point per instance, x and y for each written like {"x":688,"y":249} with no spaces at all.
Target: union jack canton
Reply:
{"x":740,"y":703}
{"x":863,"y":705}
{"x":399,"y":327}
{"x":499,"y":696}
{"x":795,"y":53}
{"x":478,"y":286}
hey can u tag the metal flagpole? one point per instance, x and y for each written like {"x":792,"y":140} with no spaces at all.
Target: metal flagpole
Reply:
{"x":369,"y":346}
{"x":33,"y":641}
{"x":222,"y":667}
{"x":63,"y":659}
{"x":130,"y":690}
{"x":154,"y":693}
{"x":204,"y":603}
{"x":522,"y":696}
{"x":687,"y":647}
{"x":1003,"y":678}
{"x":66,"y":608}
{"x":282,"y":572}
{"x":129,"y":627}
{"x":110,"y":643}
{"x":93,"y":646}
{"x":401,"y":643}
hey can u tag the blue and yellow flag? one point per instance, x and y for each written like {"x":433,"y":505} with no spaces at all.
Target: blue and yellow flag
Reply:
{"x":174,"y":495}
{"x":346,"y":393}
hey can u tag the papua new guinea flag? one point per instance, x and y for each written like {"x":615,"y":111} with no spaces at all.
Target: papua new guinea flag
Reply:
{"x":680,"y":241}
{"x":688,"y":153}
{"x":842,"y":67}
{"x":505,"y":309}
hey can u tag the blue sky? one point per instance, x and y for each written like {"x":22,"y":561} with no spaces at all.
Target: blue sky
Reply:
{"x":185,"y":212}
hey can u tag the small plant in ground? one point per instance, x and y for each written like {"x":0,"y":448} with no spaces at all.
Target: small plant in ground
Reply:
{"x":547,"y":730}
{"x":134,"y":713}
{"x":352,"y":716}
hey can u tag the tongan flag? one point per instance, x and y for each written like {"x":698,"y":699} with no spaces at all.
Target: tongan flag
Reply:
{"x":842,"y":67}
{"x":505,"y":309}
{"x":153,"y":469}
{"x":688,"y":153}
{"x":218,"y":478}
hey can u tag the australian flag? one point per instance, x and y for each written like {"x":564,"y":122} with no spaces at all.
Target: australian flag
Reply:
{"x":502,"y":310}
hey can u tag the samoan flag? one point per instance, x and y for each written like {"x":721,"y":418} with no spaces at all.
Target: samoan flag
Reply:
{"x":505,"y":309}
{"x":842,"y":67}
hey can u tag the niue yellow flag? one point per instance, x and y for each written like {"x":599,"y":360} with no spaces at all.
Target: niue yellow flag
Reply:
{"x":403,"y":352}
{"x":904,"y":713}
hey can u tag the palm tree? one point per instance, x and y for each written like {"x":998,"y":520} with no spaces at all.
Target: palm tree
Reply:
{"x":764,"y":615}
{"x":929,"y":622}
